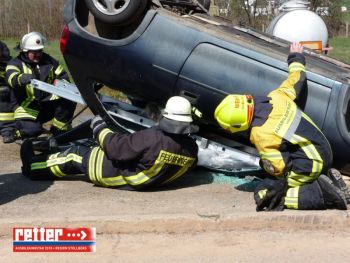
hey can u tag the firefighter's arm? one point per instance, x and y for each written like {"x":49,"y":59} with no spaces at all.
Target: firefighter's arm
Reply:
{"x":58,"y":70}
{"x":124,"y":147}
{"x":296,"y":80}
{"x":118,"y":147}
{"x":15,"y":78}
{"x":274,"y":158}
{"x":99,"y":129}
{"x":272,"y":162}
{"x":60,"y":73}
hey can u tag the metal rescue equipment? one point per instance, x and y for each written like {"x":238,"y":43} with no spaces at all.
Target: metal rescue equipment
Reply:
{"x":212,"y":155}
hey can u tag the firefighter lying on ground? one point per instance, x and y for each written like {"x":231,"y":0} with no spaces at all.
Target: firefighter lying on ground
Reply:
{"x":6,"y":97}
{"x":148,"y":158}
{"x":35,"y":107}
{"x":291,"y":147}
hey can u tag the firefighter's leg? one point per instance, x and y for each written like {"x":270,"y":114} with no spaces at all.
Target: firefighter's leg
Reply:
{"x":63,"y":113}
{"x":7,"y":119}
{"x":103,"y":172}
{"x":106,"y":173}
{"x":28,"y":128}
{"x":58,"y":165}
{"x":320,"y":194}
{"x":303,"y":190}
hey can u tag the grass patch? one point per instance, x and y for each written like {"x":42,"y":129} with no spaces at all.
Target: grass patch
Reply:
{"x":341,"y":48}
{"x":346,"y":16}
{"x":345,"y":3}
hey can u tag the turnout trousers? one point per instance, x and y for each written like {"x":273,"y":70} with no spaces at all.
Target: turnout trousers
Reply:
{"x":59,"y":111}
{"x":100,"y":170}
{"x":7,"y":105}
{"x":311,"y":155}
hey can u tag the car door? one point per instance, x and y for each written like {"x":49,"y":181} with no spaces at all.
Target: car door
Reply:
{"x":211,"y":72}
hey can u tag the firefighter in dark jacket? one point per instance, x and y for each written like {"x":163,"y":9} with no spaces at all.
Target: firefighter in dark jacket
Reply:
{"x":148,"y":158}
{"x":35,"y":107}
{"x":7,"y":100}
{"x":291,"y":147}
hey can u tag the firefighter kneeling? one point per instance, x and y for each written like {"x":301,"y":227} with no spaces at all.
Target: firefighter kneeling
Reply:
{"x":148,"y":158}
{"x":32,"y":106}
{"x":292,"y":148}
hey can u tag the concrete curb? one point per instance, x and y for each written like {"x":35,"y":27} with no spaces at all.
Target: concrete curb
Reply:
{"x":198,"y":223}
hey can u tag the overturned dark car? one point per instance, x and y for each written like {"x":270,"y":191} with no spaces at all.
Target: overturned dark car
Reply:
{"x":159,"y":53}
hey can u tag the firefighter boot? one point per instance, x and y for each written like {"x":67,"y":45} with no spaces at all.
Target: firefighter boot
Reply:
{"x":28,"y":157}
{"x":27,"y":154}
{"x":9,"y":136}
{"x":333,"y":197}
{"x":338,"y":181}
{"x":321,"y":194}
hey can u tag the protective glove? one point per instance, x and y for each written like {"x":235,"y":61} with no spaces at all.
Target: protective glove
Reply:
{"x":270,"y":194}
{"x":25,"y":78}
{"x":96,"y":125}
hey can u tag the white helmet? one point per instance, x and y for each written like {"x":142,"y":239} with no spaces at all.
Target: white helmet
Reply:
{"x":32,"y":41}
{"x":178,"y":109}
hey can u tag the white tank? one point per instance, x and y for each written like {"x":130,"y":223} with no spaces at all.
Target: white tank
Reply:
{"x":297,"y":24}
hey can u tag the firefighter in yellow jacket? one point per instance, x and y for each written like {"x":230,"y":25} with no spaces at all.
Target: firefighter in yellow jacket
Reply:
{"x":291,"y":147}
{"x":145,"y":159}
{"x":35,"y":107}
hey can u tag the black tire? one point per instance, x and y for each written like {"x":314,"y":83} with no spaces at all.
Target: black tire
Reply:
{"x":205,"y":3}
{"x":122,"y":12}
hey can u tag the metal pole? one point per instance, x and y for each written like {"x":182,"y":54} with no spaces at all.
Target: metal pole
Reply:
{"x":50,"y":13}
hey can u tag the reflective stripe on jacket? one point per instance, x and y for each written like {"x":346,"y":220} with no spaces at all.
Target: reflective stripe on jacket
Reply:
{"x":47,"y":70}
{"x":148,"y":157}
{"x":289,"y":141}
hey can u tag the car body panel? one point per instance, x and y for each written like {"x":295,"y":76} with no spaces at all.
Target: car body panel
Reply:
{"x":204,"y":60}
{"x":205,"y":71}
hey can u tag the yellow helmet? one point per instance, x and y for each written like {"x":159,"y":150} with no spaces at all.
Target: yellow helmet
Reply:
{"x":235,"y":112}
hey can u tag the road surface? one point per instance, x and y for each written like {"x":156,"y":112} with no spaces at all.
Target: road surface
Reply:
{"x":205,"y":217}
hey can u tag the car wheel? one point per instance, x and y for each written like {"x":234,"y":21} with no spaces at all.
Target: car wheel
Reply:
{"x":205,"y":3}
{"x":116,"y":12}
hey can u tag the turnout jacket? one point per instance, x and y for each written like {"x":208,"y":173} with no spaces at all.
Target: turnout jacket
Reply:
{"x":7,"y":101}
{"x":4,"y":59}
{"x":2,"y":73}
{"x":145,"y":158}
{"x":29,"y":98}
{"x":288,"y":141}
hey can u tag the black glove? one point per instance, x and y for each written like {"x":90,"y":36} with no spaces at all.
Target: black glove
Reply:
{"x":96,"y":125}
{"x":270,"y":194}
{"x":25,"y":78}
{"x":296,"y":57}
